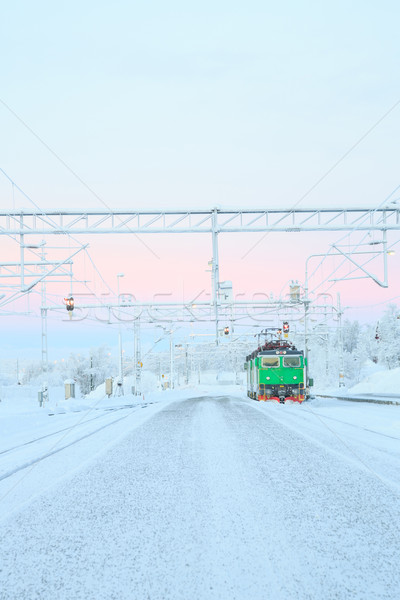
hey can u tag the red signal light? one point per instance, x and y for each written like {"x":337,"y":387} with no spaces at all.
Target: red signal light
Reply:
{"x":69,"y":303}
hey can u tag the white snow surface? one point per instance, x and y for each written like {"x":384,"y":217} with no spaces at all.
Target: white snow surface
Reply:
{"x":379,"y":382}
{"x":198,"y":493}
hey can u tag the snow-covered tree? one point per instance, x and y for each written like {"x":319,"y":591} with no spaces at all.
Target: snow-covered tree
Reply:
{"x":90,"y":370}
{"x":31,"y":371}
{"x":388,"y":338}
{"x":351,"y":332}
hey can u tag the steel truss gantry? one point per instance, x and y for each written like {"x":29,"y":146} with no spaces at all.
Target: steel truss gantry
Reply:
{"x":199,"y":221}
{"x":130,"y":313}
{"x":212,"y":221}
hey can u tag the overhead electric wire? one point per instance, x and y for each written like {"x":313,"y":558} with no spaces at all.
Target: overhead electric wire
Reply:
{"x":58,"y":157}
{"x":347,"y":236}
{"x":355,"y":269}
{"x":52,"y":222}
{"x":44,"y":214}
{"x":329,"y":171}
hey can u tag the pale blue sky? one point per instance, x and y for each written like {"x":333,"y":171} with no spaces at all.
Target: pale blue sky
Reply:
{"x":200,"y":104}
{"x":181,"y":105}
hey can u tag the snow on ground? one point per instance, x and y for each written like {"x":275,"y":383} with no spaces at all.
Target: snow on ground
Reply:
{"x":383,"y":384}
{"x":73,"y":432}
{"x":380,"y":382}
{"x":197,"y":493}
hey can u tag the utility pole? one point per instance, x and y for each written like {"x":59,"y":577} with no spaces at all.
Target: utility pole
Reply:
{"x":215,"y":271}
{"x":171,"y":360}
{"x":341,"y":353}
{"x":22,"y":254}
{"x":306,"y":309}
{"x":137,"y":359}
{"x":43,"y":313}
{"x":186,"y":365}
{"x":326,"y":340}
{"x":120,"y":364}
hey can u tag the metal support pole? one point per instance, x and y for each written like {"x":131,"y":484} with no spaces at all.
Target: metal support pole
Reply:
{"x":22,"y":256}
{"x":326,"y":341}
{"x":385,"y":258}
{"x":306,"y":308}
{"x":186,"y":365}
{"x":71,"y":276}
{"x":120,"y":365}
{"x":45,"y":358}
{"x":120,"y":361}
{"x":341,"y":354}
{"x":137,"y":359}
{"x":171,"y":360}
{"x":215,"y":270}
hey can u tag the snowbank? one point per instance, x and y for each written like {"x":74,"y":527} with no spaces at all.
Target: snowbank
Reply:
{"x":381,"y":382}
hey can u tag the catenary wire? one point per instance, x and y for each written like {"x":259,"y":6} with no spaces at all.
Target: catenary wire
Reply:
{"x":329,"y":171}
{"x":58,"y":157}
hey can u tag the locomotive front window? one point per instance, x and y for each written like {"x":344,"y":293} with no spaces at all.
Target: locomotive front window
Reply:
{"x":270,"y":361}
{"x":291,"y":361}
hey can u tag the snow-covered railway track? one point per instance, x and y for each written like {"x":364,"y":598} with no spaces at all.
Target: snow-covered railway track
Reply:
{"x":56,"y":449}
{"x":357,"y":426}
{"x":210,"y":498}
{"x":365,"y":436}
{"x":58,"y":431}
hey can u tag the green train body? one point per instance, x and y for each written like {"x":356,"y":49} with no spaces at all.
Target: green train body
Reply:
{"x":276,"y":371}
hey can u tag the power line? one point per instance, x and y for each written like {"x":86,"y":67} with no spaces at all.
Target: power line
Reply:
{"x":58,"y":157}
{"x":347,"y":236}
{"x":329,"y":171}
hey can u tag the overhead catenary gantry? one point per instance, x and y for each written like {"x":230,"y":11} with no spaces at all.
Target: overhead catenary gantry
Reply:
{"x":199,"y":221}
{"x":210,"y":221}
{"x":22,"y":223}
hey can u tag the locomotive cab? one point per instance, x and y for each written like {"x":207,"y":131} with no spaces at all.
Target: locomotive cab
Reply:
{"x":277,"y":372}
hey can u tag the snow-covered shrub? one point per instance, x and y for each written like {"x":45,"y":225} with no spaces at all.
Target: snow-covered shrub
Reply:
{"x":89,"y":370}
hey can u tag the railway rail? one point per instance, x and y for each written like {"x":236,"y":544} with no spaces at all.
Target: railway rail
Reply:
{"x":42,"y":437}
{"x":356,"y":426}
{"x":381,"y":399}
{"x":65,"y":430}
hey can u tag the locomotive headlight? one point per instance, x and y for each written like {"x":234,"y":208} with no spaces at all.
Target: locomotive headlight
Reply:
{"x":268,"y":377}
{"x":294,"y":376}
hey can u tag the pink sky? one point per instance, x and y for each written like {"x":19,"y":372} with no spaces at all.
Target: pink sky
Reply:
{"x":179,"y":271}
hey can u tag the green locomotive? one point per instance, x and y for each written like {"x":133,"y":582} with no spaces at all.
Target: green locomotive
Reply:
{"x":277,"y":371}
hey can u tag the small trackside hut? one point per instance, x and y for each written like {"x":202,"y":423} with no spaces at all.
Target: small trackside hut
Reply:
{"x":276,"y":370}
